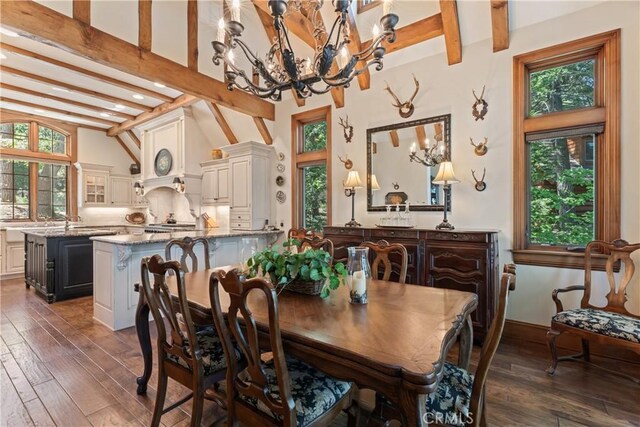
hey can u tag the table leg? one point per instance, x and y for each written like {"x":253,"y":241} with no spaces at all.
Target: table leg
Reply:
{"x":142,"y":330}
{"x":413,"y":408}
{"x":466,"y":344}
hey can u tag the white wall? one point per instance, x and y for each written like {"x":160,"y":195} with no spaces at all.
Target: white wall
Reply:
{"x":98,"y":148}
{"x":448,"y":89}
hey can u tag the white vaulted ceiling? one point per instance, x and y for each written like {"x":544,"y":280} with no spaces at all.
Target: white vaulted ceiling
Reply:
{"x":119,"y":18}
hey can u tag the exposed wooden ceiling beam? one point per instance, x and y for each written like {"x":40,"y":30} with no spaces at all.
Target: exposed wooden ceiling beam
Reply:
{"x":296,"y":22}
{"x":73,"y":88}
{"x":56,"y":110}
{"x":500,"y":24}
{"x":34,"y":21}
{"x":192,"y":34}
{"x":101,"y":77}
{"x":82,"y":11}
{"x":134,"y":138}
{"x":66,"y":101}
{"x":422,"y":30}
{"x":88,"y":73}
{"x":451,"y":27}
{"x":126,"y":148}
{"x":181,"y":101}
{"x":421,"y":134}
{"x":364,"y":79}
{"x":144,"y":24}
{"x":264,"y":131}
{"x":224,"y":125}
{"x":267,"y":24}
{"x":8,"y":114}
{"x":395,"y":140}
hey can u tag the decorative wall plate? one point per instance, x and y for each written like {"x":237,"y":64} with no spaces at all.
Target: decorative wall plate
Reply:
{"x":162,"y":164}
{"x":281,"y":197}
{"x":280,"y":180}
{"x":281,"y":156}
{"x":280,"y":167}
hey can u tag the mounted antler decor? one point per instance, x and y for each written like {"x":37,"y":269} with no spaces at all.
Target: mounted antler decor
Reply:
{"x":481,"y":148}
{"x":404,"y":108}
{"x":480,"y":107}
{"x":347,"y":163}
{"x":480,"y":184}
{"x":347,"y":130}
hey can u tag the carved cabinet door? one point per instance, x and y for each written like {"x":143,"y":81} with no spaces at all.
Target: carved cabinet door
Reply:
{"x":464,"y":268}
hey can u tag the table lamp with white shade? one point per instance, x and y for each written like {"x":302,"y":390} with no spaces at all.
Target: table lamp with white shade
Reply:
{"x":350,"y":184}
{"x":445,"y":176}
{"x":374,"y":183}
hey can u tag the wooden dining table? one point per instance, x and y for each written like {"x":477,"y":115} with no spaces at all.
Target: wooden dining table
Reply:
{"x":396,"y":344}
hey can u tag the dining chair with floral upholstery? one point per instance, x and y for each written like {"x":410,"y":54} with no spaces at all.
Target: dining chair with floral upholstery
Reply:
{"x":195,"y":359}
{"x":281,"y":390}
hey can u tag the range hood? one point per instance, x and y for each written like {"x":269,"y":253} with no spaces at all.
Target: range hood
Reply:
{"x":177,"y":134}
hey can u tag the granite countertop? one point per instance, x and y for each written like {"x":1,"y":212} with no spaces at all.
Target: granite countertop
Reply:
{"x":60,"y":225}
{"x":72,"y":232}
{"x":149,"y":238}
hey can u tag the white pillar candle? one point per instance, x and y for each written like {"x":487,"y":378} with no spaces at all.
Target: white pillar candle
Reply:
{"x":235,"y":10}
{"x":221,"y":32}
{"x":359,"y":282}
{"x":386,"y":7}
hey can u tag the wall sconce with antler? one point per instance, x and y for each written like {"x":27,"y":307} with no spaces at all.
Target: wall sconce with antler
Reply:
{"x":348,"y":164}
{"x":481,"y":148}
{"x":404,"y":108}
{"x":347,"y":129}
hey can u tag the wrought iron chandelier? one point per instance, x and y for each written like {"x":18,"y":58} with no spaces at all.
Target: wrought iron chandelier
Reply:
{"x":432,"y":154}
{"x":282,"y":70}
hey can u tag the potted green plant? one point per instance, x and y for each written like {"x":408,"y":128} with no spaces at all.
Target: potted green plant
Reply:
{"x":309,"y":272}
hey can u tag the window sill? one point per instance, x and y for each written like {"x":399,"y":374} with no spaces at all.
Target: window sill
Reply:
{"x":559,"y":259}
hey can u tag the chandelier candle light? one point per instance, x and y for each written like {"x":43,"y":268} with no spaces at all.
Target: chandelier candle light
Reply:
{"x":282,"y":70}
{"x":433,"y":154}
{"x":447,"y":177}
{"x":350,"y":185}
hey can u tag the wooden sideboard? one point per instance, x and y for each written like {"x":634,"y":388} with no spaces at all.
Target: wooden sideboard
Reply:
{"x":465,"y":260}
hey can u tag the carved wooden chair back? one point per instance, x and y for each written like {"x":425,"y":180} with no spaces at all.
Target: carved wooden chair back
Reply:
{"x":187,"y":245}
{"x":619,"y":250}
{"x":507,"y":284}
{"x":180,"y":355}
{"x":252,"y":382}
{"x":317,"y":243}
{"x":301,"y":233}
{"x":382,"y":250}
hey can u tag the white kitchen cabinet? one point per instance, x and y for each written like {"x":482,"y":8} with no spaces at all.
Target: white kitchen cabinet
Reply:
{"x":12,"y":246}
{"x":94,"y":184}
{"x":250,"y":194}
{"x":215,"y":182}
{"x":121,"y":191}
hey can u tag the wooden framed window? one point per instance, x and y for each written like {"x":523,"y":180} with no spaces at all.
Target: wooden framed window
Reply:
{"x":364,"y":5}
{"x":311,"y":169}
{"x":566,"y":150}
{"x":35,"y":178}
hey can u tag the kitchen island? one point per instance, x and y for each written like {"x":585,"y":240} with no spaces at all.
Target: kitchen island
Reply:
{"x":58,"y":262}
{"x":116,"y":265}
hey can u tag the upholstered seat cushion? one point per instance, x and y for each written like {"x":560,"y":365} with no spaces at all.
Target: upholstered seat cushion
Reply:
{"x":602,"y":322}
{"x":313,"y":391}
{"x":213,"y":359}
{"x":449,"y":404}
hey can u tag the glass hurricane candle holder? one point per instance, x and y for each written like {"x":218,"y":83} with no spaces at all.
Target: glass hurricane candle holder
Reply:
{"x":358,"y":274}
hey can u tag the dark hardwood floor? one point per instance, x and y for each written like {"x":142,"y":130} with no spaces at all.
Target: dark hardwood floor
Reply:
{"x":59,"y":367}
